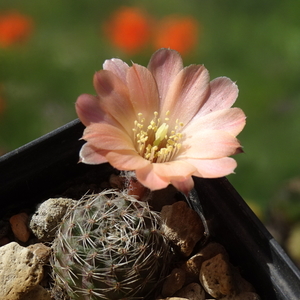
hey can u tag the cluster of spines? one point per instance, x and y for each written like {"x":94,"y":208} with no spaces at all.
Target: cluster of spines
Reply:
{"x":110,"y":247}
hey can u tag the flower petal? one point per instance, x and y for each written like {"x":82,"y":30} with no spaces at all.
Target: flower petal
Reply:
{"x":174,"y":170}
{"x":90,"y":155}
{"x":107,"y":137}
{"x":159,"y":175}
{"x":186,"y":94}
{"x":89,"y":111}
{"x":143,"y":91}
{"x":184,"y":186}
{"x":126,"y":160}
{"x":114,"y":98}
{"x":209,"y":144}
{"x":223,"y":95}
{"x":116,"y":66}
{"x":213,"y":168}
{"x":147,"y":177}
{"x":165,"y":64}
{"x":231,"y":120}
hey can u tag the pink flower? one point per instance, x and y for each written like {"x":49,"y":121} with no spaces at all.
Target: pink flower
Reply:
{"x":165,"y":122}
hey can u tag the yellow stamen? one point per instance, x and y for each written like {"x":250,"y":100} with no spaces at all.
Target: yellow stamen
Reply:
{"x":157,"y":143}
{"x":160,"y":134}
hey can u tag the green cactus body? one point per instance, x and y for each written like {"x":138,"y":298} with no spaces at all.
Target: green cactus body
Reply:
{"x":109,"y":246}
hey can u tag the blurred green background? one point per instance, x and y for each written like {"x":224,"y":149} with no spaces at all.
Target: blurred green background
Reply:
{"x":255,"y":43}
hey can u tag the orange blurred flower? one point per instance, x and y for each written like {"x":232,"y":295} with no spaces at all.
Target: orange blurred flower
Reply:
{"x":129,"y":29}
{"x":178,"y":33}
{"x":14,"y":28}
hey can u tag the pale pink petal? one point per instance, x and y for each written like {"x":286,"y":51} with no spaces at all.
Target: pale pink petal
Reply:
{"x":126,"y":160}
{"x":107,"y":137}
{"x":147,"y":177}
{"x":174,"y":170}
{"x":143,"y":91}
{"x":209,"y":144}
{"x":160,"y":175}
{"x":231,"y":120}
{"x":116,"y":66}
{"x":165,"y":64}
{"x":89,"y":111}
{"x":186,"y":94}
{"x":184,"y":186}
{"x":114,"y":98}
{"x":91,"y":155}
{"x":223,"y":95}
{"x":213,"y":168}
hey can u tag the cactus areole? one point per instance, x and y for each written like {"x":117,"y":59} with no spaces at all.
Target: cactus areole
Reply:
{"x":109,"y":246}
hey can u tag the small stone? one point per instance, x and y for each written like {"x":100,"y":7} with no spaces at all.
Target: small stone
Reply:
{"x":46,"y":219}
{"x":211,"y":250}
{"x":216,"y":277}
{"x":41,"y":251}
{"x":173,"y":282}
{"x":20,"y":271}
{"x":182,"y":225}
{"x":19,"y":226}
{"x":192,"y":268}
{"x":193,"y":291}
{"x":193,"y":265}
{"x":241,"y":284}
{"x":38,"y":293}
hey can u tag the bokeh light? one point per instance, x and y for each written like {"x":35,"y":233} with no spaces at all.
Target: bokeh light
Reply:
{"x":177,"y":32}
{"x":129,"y":28}
{"x":14,"y":28}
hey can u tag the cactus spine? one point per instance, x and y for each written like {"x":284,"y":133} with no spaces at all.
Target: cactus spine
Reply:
{"x":109,"y":246}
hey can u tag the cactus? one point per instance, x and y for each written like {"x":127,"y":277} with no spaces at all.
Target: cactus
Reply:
{"x":109,"y":246}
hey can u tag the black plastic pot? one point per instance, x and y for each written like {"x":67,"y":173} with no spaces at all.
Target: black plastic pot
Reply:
{"x":49,"y":165}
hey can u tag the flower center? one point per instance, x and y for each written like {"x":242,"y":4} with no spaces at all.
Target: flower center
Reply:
{"x":157,"y":142}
